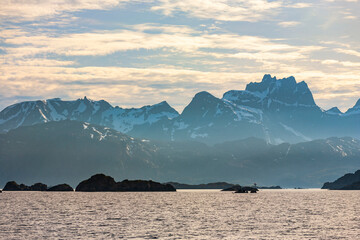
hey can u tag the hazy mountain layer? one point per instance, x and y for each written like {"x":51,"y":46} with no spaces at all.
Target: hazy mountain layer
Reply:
{"x":69,"y":151}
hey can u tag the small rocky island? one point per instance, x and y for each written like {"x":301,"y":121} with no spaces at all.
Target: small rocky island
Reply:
{"x":13,"y":186}
{"x":241,"y":189}
{"x":350,"y":181}
{"x":103,"y":183}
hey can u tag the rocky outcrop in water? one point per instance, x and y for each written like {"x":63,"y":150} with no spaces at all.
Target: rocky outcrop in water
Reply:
{"x":241,"y":189}
{"x":247,"y":190}
{"x":103,"y":183}
{"x":13,"y":186}
{"x":61,"y":188}
{"x":346,"y":182}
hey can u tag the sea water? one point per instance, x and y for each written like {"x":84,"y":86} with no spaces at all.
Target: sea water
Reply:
{"x":185,"y":214}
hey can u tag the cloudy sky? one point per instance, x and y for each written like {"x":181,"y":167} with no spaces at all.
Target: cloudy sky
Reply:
{"x":139,"y":52}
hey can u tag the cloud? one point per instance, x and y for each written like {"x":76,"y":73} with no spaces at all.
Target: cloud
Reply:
{"x":122,"y":86}
{"x":342,"y":63}
{"x":227,"y":10}
{"x":167,"y":37}
{"x":300,"y":5}
{"x":32,"y":10}
{"x":223,"y":10}
{"x":348,"y":52}
{"x":288,"y":24}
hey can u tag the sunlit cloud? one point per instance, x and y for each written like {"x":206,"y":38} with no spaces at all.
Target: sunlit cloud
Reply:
{"x":29,"y":10}
{"x":348,"y":51}
{"x":224,"y":10}
{"x":288,"y":24}
{"x":179,"y":38}
{"x":343,"y":63}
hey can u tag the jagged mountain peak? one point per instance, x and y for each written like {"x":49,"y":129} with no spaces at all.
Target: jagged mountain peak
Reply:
{"x":284,"y":91}
{"x":334,"y":110}
{"x":272,"y":93}
{"x":270,"y":82}
{"x":267,"y":78}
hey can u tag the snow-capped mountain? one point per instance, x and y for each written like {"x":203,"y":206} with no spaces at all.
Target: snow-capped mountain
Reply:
{"x":277,"y":110}
{"x":96,"y":112}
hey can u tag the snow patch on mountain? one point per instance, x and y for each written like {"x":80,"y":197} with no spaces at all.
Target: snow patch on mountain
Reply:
{"x":198,"y":135}
{"x":53,"y":112}
{"x":296,"y":133}
{"x":180,"y":125}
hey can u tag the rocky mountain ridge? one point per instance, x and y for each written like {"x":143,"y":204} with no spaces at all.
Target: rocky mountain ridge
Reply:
{"x":277,"y":110}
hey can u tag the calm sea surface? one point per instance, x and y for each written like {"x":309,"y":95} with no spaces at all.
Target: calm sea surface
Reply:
{"x":269,"y":214}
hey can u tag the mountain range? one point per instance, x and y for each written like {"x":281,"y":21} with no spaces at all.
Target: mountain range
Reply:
{"x":276,"y":110}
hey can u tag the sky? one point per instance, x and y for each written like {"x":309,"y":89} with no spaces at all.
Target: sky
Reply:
{"x":140,"y":52}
